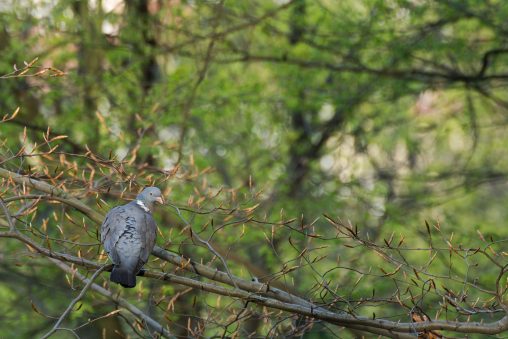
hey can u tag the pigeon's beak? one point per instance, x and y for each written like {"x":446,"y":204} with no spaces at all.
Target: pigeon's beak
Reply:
{"x":160,"y":200}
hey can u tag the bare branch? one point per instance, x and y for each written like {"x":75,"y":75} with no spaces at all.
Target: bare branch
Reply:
{"x":52,"y":190}
{"x":259,"y":293}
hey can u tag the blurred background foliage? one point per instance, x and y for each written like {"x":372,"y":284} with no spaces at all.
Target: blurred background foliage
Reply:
{"x":385,"y":113}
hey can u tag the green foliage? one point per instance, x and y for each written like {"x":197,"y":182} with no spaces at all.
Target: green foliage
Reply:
{"x":385,"y":113}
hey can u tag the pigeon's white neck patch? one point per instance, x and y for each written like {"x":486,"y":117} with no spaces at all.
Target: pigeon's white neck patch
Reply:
{"x":142,"y":205}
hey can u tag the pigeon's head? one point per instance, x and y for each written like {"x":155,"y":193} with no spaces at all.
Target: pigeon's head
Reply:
{"x":150,"y":196}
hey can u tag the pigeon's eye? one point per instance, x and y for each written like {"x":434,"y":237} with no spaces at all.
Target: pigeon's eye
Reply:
{"x":150,"y":193}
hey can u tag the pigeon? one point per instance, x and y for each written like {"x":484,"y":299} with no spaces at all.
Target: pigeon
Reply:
{"x":128,"y":235}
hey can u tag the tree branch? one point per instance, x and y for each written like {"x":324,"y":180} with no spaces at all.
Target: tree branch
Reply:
{"x":256,"y":292}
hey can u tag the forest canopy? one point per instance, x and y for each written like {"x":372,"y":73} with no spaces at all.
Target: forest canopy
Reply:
{"x":331,"y":168}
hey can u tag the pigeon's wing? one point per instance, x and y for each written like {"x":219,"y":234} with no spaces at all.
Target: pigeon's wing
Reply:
{"x":112,"y":228}
{"x":148,"y":232}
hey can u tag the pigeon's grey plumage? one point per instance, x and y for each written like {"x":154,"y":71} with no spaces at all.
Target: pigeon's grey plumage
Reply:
{"x":128,"y":235}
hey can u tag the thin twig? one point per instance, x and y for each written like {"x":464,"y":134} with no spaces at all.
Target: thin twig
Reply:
{"x":206,"y":243}
{"x":73,"y":302}
{"x":118,"y":300}
{"x":12,"y":227}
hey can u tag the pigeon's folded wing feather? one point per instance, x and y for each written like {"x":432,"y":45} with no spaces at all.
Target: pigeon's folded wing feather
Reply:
{"x":148,"y":230}
{"x":112,"y":228}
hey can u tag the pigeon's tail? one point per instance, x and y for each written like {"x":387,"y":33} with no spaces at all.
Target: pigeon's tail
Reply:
{"x":123,"y":277}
